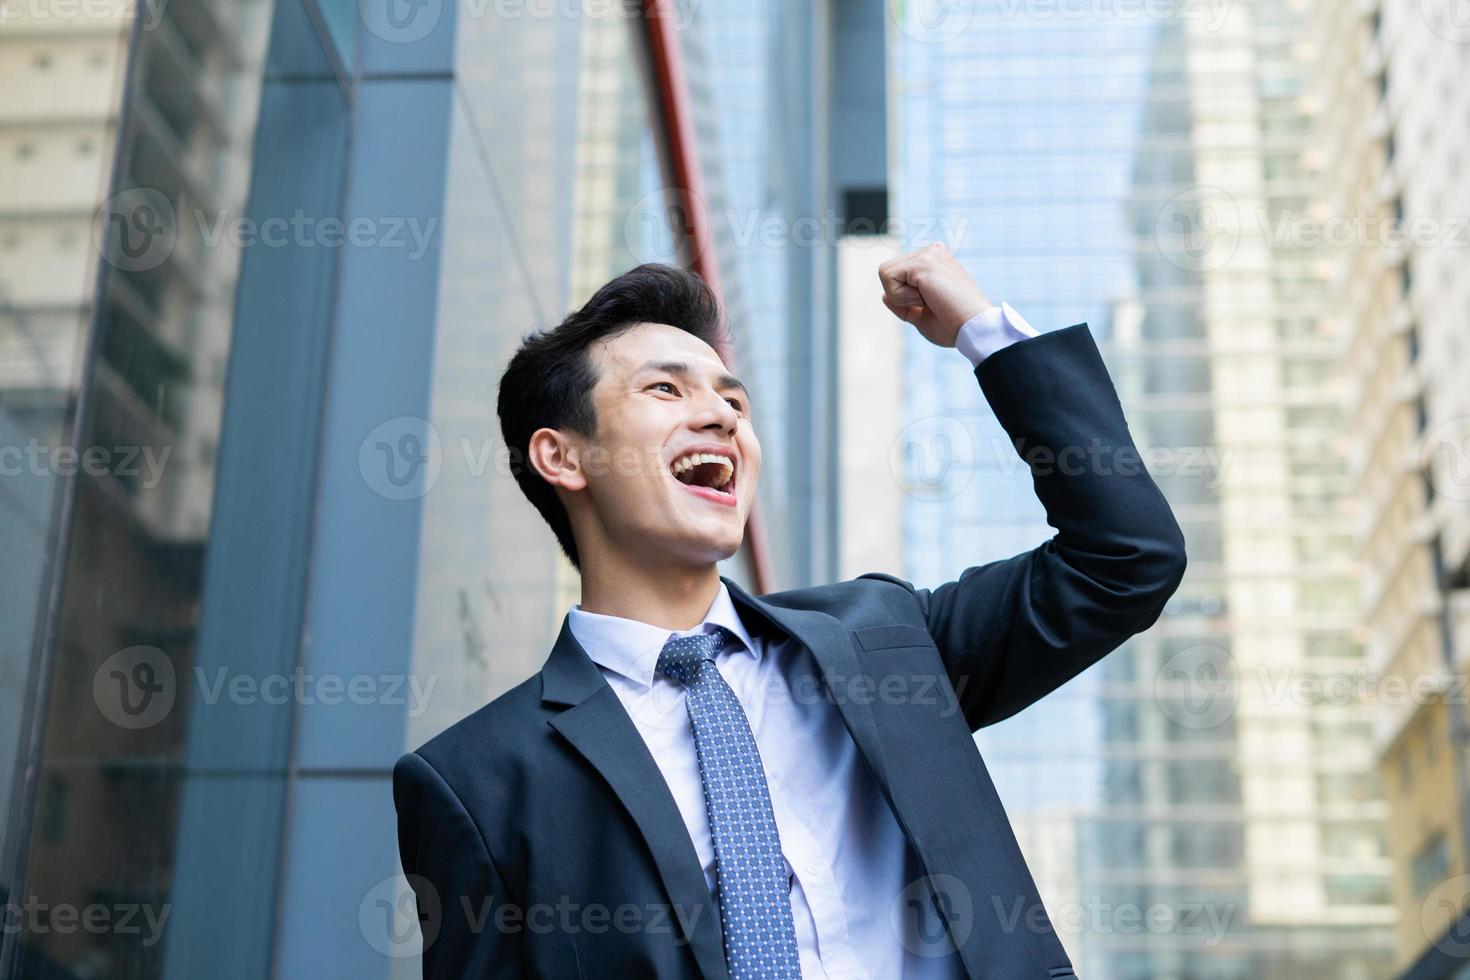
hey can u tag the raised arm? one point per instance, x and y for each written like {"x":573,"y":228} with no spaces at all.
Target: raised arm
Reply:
{"x":1012,"y":631}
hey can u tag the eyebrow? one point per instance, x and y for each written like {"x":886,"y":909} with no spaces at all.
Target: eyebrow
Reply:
{"x":680,"y":369}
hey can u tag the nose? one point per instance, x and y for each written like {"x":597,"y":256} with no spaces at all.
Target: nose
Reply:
{"x":715,"y":412}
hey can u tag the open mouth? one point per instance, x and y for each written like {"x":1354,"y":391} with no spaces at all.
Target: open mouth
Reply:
{"x":709,"y":475}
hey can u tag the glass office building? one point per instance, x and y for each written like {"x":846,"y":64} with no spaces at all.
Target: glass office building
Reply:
{"x":1182,"y":817}
{"x":263,"y":262}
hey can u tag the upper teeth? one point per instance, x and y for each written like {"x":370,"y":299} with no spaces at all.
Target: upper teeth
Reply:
{"x":695,"y":459}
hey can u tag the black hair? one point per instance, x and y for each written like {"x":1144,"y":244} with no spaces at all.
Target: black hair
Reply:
{"x":550,"y":378}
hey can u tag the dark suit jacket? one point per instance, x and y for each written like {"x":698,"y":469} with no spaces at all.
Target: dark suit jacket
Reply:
{"x":541,"y":839}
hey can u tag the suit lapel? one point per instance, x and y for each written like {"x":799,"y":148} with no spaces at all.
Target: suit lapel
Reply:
{"x":828,"y":642}
{"x":597,"y":726}
{"x":944,"y":848}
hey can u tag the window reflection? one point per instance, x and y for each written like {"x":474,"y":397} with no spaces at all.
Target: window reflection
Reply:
{"x":121,"y":714}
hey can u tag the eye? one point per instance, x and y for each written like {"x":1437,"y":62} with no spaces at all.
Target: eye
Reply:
{"x":664,"y":384}
{"x":736,"y":403}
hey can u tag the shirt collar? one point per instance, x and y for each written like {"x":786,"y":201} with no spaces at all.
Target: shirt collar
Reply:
{"x":631,"y":648}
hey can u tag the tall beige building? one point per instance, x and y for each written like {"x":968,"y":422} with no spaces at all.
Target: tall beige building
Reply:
{"x":1390,"y":149}
{"x":58,"y":127}
{"x":1247,"y":782}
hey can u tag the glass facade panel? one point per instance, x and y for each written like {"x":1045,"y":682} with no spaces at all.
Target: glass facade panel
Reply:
{"x":176,"y":621}
{"x":56,"y":150}
{"x":556,"y":183}
{"x":161,"y":761}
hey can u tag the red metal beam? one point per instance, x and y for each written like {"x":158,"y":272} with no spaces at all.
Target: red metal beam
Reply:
{"x":660,"y":20}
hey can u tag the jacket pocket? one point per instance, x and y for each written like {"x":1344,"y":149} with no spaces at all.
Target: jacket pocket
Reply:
{"x":893,"y":635}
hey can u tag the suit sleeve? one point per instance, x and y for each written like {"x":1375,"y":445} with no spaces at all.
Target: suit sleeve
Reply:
{"x":455,"y":882}
{"x":1014,"y":630}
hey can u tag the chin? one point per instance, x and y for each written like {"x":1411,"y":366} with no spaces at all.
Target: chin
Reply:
{"x":712,"y":549}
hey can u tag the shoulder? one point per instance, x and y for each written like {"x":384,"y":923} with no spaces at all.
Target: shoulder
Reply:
{"x":871,"y":599}
{"x":497,"y":737}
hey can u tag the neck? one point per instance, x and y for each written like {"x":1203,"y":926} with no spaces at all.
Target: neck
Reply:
{"x":669,"y":597}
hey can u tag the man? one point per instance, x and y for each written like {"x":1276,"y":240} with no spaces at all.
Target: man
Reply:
{"x":705,"y":783}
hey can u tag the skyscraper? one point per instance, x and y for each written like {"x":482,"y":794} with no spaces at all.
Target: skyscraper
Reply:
{"x":1389,"y":155}
{"x":1132,"y":171}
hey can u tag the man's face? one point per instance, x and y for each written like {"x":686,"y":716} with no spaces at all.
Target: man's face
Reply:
{"x":663,"y":394}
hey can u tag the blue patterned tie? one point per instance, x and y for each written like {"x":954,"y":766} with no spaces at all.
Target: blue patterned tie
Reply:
{"x":755,"y":904}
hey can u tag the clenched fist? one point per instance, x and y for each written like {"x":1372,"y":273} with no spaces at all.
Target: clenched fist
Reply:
{"x":930,"y":289}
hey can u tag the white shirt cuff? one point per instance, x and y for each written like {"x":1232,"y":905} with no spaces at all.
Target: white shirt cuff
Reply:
{"x":990,"y":330}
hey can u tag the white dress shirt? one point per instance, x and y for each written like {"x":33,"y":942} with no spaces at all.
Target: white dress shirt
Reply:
{"x":989,"y":331}
{"x":847,"y":858}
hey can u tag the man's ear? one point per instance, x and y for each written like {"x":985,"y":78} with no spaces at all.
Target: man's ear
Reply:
{"x":556,"y":458}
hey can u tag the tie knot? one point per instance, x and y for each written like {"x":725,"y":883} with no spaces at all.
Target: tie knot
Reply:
{"x":682,"y":656}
